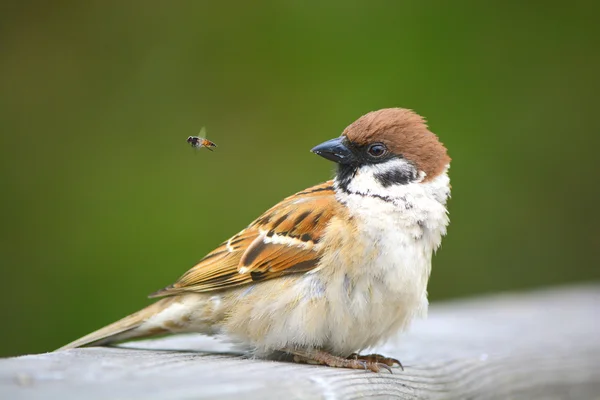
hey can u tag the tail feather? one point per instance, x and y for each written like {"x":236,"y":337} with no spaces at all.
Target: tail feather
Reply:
{"x":130,"y":327}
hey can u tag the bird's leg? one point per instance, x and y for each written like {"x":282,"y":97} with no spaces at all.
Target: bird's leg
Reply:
{"x":376,"y":358}
{"x":323,"y":358}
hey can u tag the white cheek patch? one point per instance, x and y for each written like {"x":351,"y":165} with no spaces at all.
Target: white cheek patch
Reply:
{"x":365,"y":184}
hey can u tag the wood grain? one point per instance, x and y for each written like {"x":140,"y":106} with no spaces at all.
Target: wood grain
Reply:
{"x":543,"y":344}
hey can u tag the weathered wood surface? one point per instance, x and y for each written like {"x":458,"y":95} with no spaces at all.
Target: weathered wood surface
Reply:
{"x":543,"y":344}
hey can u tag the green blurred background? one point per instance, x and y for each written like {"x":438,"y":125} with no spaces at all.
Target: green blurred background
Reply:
{"x":103,"y":202}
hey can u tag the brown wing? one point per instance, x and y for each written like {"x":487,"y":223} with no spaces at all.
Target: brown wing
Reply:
{"x":284,"y":240}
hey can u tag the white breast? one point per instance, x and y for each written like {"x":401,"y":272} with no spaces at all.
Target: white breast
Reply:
{"x":384,"y":283}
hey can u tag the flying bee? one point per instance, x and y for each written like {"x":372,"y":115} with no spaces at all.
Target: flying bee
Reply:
{"x":198,"y":142}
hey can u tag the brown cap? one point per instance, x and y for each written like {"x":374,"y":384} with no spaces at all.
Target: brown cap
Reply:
{"x":405,"y":133}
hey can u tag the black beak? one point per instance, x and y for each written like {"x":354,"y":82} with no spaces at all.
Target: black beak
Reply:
{"x":335,"y":150}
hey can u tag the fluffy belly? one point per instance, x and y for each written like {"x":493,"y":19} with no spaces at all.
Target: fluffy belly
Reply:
{"x":343,"y":316}
{"x":365,"y":312}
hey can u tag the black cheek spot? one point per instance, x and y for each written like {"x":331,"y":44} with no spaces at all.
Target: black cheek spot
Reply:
{"x":396,"y":177}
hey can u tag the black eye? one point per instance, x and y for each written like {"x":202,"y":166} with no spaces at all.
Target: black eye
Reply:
{"x":377,"y":150}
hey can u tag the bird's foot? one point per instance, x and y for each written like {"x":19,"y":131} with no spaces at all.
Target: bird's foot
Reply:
{"x":376,"y":358}
{"x":323,"y":358}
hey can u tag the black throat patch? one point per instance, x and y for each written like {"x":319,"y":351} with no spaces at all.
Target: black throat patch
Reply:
{"x":344,"y":176}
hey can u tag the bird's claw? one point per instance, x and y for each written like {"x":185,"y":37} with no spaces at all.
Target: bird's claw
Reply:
{"x":377,"y":359}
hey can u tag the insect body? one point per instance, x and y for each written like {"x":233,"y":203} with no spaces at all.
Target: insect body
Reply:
{"x":198,"y":142}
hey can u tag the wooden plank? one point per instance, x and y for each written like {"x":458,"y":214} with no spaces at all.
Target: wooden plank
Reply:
{"x":543,"y":344}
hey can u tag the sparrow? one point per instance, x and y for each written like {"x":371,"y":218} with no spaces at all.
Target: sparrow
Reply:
{"x":329,"y":271}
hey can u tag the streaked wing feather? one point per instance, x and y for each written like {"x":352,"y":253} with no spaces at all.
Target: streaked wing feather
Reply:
{"x":284,"y":240}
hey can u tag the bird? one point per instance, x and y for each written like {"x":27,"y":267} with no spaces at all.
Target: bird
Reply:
{"x":329,"y":271}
